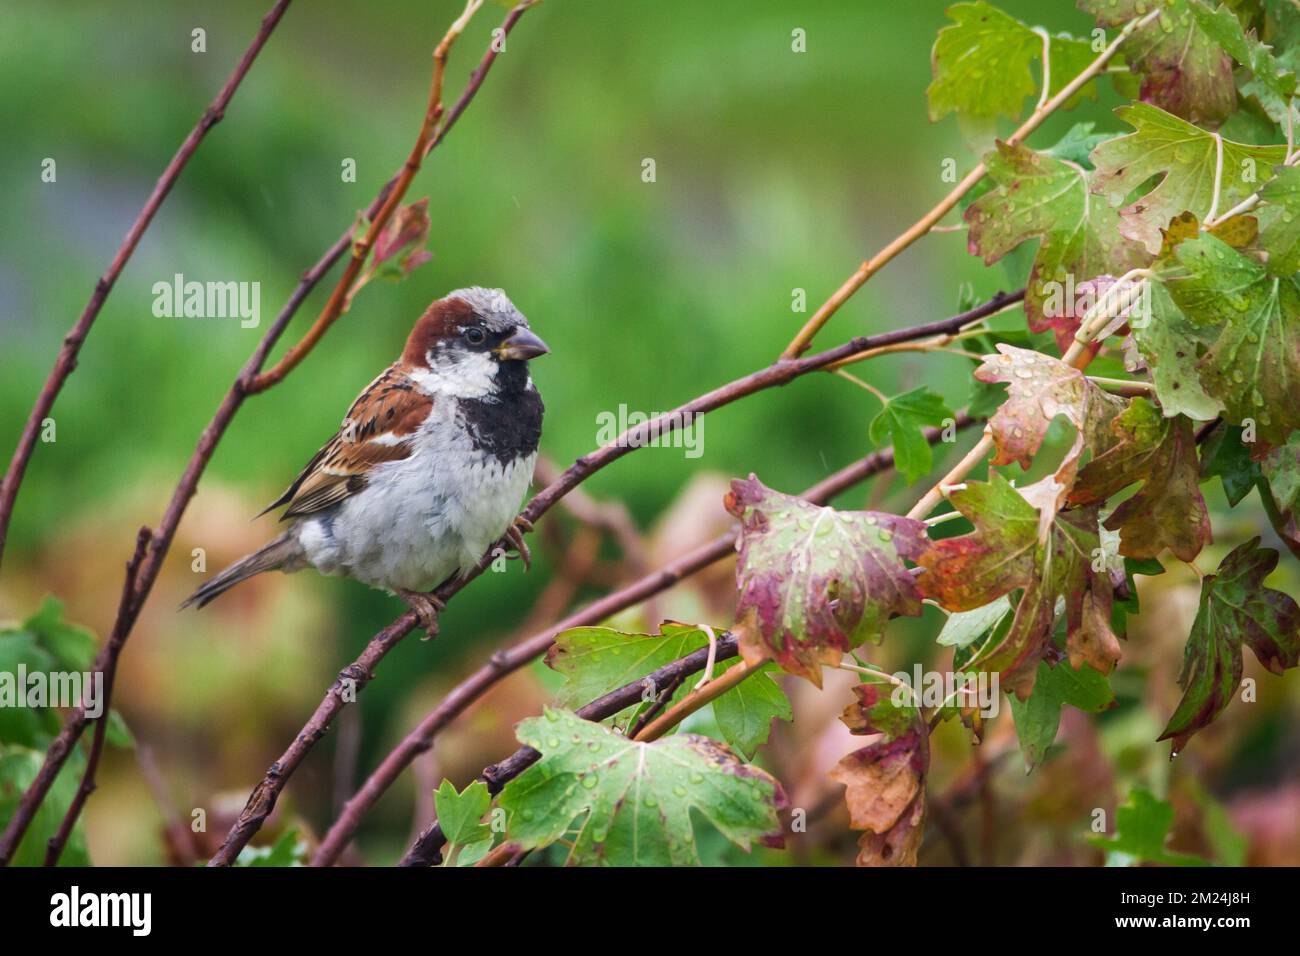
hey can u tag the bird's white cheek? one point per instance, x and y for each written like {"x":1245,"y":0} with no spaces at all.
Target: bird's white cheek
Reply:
{"x":468,"y":375}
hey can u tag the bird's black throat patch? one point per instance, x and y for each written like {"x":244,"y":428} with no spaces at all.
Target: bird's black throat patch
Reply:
{"x":508,"y":425}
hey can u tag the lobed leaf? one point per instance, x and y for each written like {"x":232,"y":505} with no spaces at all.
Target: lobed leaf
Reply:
{"x":1185,"y":158}
{"x":1235,"y":610}
{"x":816,"y":581}
{"x":632,"y":801}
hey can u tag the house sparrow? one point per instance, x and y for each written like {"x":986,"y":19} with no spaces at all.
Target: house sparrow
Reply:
{"x":429,"y":466}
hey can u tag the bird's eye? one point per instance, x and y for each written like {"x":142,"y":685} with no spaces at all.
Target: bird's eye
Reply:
{"x":475,"y":335}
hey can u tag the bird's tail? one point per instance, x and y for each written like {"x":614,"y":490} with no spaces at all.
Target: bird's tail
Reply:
{"x":282,"y":553}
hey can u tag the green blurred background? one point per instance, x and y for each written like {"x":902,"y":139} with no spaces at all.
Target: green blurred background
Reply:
{"x":775,"y":171}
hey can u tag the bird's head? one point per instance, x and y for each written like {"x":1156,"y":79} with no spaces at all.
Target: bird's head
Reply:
{"x":472,"y":343}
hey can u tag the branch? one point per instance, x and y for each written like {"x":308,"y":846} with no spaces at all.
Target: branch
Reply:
{"x":502,"y":663}
{"x":207,"y":444}
{"x":72,"y":342}
{"x":427,"y":847}
{"x":114,"y":649}
{"x":801,"y":342}
{"x":262,"y":800}
{"x":695,"y":700}
{"x":57,"y":753}
{"x":428,"y":137}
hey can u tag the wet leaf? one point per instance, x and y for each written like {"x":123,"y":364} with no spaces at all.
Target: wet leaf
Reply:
{"x":1185,"y":157}
{"x":632,"y":802}
{"x":1253,"y":365}
{"x":1039,"y":388}
{"x":981,"y":64}
{"x":1040,"y":197}
{"x":1236,"y":609}
{"x":819,"y":582}
{"x":1182,"y":66}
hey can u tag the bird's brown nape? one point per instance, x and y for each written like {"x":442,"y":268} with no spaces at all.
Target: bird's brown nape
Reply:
{"x":439,"y":323}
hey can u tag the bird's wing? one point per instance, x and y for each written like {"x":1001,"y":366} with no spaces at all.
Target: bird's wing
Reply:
{"x":380,"y":427}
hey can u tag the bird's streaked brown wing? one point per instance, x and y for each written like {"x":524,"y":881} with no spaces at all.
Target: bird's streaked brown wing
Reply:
{"x":379,"y":428}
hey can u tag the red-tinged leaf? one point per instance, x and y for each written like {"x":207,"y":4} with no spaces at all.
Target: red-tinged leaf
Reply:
{"x":885,"y":781}
{"x":1169,"y":511}
{"x":1005,"y":552}
{"x":1236,"y":609}
{"x":1039,"y":388}
{"x":876,"y":712}
{"x":1038,"y":196}
{"x":399,"y":247}
{"x":818,"y":582}
{"x":1183,"y":68}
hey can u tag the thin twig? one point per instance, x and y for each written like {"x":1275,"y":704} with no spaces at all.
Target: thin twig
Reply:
{"x":427,"y":138}
{"x":72,"y":342}
{"x":803,"y":340}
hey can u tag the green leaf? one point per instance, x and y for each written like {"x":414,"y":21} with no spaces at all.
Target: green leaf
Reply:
{"x":1235,"y":610}
{"x":1279,"y":219}
{"x":596,"y":660}
{"x":633,"y":800}
{"x":745,"y":713}
{"x":1167,"y":345}
{"x":1253,"y":365}
{"x":964,"y":628}
{"x":18,"y":769}
{"x":289,"y":850}
{"x":1225,"y":454}
{"x":818,"y":582}
{"x":1222,"y":27}
{"x":1141,"y":829}
{"x":1183,"y":69}
{"x":1038,"y":196}
{"x":1281,"y":468}
{"x":72,"y":646}
{"x":900,"y":423}
{"x":459,"y":814}
{"x":981,"y":64}
{"x":118,"y":734}
{"x":1186,"y":158}
{"x":1038,"y":718}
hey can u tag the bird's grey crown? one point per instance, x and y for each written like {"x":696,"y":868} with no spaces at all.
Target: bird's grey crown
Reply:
{"x":493,"y":306}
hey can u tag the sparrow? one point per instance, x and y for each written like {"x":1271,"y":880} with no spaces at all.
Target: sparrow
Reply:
{"x":428,"y":468}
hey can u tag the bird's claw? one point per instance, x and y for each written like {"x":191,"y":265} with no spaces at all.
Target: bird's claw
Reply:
{"x":426,"y":608}
{"x":515,"y":538}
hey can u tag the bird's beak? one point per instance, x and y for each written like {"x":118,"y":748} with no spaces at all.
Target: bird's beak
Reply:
{"x":520,"y":347}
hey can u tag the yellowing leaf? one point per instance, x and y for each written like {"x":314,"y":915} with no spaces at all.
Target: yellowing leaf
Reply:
{"x":1186,"y":158}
